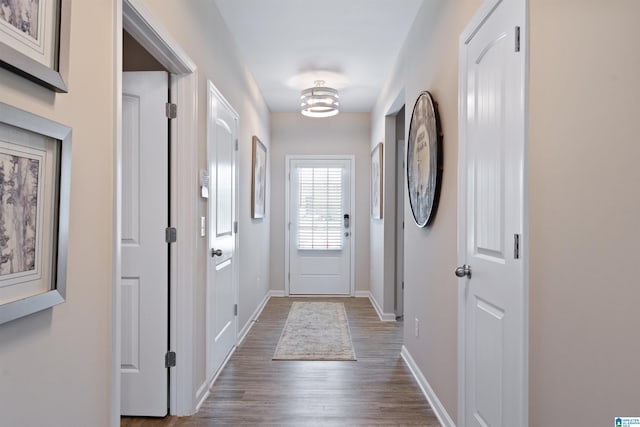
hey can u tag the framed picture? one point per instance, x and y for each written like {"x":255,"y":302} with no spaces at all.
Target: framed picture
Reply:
{"x":30,"y":40}
{"x":258,"y":179}
{"x":35,"y":162}
{"x":424,"y":160}
{"x":376,"y":182}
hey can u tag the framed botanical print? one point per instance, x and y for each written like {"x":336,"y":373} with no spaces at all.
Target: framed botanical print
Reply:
{"x":424,"y":160}
{"x":258,"y":179}
{"x":30,"y":40}
{"x":376,"y":182}
{"x":35,"y":162}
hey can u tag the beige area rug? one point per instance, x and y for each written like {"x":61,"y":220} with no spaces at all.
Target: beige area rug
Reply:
{"x":316,"y":331}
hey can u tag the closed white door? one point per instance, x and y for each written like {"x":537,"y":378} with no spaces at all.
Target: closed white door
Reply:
{"x":145,"y":253}
{"x":222,"y":270}
{"x":320,"y":227}
{"x":491,"y":218}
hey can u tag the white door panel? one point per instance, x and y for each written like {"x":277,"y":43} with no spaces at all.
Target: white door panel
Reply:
{"x":492,"y":194}
{"x":145,"y":204}
{"x":221,"y":271}
{"x":319,"y":238}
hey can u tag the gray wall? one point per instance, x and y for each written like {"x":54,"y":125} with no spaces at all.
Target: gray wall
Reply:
{"x":429,"y":61}
{"x":55,"y":364}
{"x":584,"y":211}
{"x":583,"y":206}
{"x":346,"y":133}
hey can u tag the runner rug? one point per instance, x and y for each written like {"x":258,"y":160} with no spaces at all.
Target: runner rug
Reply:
{"x":316,"y":331}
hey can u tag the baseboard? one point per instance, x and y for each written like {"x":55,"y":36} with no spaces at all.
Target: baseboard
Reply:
{"x":385,"y":317}
{"x":245,"y":330}
{"x":431,"y":396}
{"x":210,"y":383}
{"x":277,"y":294}
{"x":363,"y":294}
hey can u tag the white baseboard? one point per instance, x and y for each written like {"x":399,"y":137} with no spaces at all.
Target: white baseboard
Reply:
{"x":363,"y":294}
{"x":209,"y":384}
{"x":245,"y":330}
{"x":277,"y":294}
{"x":385,"y":317}
{"x":431,"y":396}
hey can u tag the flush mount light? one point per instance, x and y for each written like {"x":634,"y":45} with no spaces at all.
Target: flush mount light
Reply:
{"x":319,"y":101}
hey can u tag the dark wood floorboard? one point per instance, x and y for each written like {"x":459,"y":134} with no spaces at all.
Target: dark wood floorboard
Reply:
{"x":377,"y":389}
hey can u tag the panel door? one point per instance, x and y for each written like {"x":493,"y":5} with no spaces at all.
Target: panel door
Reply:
{"x":319,"y":246}
{"x":145,"y":256}
{"x":492,"y":192}
{"x":221,"y":288}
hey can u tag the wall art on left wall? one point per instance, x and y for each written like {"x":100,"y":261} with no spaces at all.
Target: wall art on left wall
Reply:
{"x":35,"y":170}
{"x":30,"y":40}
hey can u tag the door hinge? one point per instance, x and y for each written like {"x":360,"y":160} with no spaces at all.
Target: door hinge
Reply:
{"x":235,"y":309}
{"x":235,"y":227}
{"x":171,"y":110}
{"x":516,"y":246}
{"x":289,"y":226}
{"x":403,"y":286}
{"x":170,"y":235}
{"x":517,"y":39}
{"x":236,"y":144}
{"x":170,"y":359}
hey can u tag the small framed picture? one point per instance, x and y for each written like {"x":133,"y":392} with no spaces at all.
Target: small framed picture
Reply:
{"x":376,"y":182}
{"x":258,"y":179}
{"x":35,"y":162}
{"x":30,"y":40}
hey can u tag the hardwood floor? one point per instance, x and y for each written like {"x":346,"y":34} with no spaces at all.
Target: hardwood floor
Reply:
{"x":377,"y":389}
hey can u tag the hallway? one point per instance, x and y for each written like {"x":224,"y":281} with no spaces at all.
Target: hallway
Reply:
{"x":377,"y":389}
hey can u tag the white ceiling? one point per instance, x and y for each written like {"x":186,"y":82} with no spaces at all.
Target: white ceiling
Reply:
{"x":351,"y":44}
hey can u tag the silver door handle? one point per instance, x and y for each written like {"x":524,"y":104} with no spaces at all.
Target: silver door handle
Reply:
{"x":464,"y":270}
{"x":216,"y":252}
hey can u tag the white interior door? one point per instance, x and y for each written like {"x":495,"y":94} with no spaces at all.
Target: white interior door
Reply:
{"x":221,"y":272}
{"x":145,"y":254}
{"x":320,"y":227}
{"x":491,"y":218}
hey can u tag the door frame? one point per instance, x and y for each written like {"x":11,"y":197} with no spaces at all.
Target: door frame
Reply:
{"x":470,"y":30}
{"x":287,"y":183}
{"x":214,"y":92}
{"x":134,"y":16}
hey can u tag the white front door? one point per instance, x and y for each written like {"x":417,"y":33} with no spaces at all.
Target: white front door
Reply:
{"x":491,"y":223}
{"x":320,"y":227}
{"x":145,"y":253}
{"x":222,"y":270}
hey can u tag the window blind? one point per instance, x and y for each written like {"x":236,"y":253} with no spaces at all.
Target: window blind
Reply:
{"x":320,"y":208}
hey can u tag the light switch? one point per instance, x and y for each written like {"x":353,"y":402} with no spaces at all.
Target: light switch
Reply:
{"x":203,"y":226}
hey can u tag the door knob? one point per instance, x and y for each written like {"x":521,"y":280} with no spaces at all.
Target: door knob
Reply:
{"x":216,"y":252}
{"x":464,"y":270}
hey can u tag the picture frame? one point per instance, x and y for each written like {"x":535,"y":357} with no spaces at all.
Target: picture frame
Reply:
{"x":30,"y":40}
{"x":376,"y":182}
{"x":35,"y":174}
{"x":424,"y":160}
{"x":258,"y":179}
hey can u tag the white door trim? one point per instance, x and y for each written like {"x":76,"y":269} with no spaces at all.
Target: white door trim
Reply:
{"x":287,"y":183}
{"x":133,"y":16}
{"x":483,"y":12}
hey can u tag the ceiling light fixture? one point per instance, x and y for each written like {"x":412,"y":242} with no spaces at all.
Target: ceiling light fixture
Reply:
{"x":319,"y":101}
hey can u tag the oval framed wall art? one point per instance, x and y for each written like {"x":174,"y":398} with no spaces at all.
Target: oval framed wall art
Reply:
{"x":424,"y":160}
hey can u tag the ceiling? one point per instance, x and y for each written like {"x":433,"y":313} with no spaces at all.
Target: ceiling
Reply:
{"x":288,"y":44}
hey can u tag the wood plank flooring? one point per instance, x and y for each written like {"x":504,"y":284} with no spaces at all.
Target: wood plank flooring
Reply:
{"x":377,"y":389}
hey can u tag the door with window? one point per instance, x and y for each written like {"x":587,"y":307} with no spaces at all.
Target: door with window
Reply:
{"x":320,"y":226}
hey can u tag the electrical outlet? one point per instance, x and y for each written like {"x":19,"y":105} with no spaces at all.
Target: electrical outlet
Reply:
{"x":417,"y":327}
